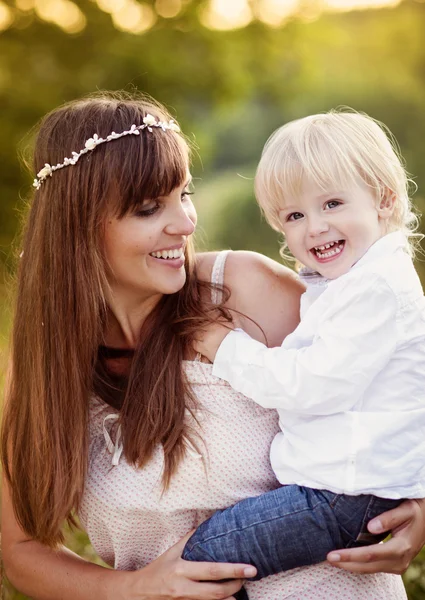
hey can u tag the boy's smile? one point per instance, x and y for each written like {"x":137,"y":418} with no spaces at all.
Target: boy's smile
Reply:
{"x":330,"y":232}
{"x":327,"y":252}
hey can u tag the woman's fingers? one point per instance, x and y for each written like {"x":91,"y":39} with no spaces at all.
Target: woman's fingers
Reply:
{"x":170,"y":576}
{"x":390,"y":557}
{"x":392,"y":519}
{"x":205,"y":571}
{"x":407,"y":526}
{"x":209,"y":571}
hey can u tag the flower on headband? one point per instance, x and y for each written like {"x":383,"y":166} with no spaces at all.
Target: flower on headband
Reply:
{"x":45,"y":171}
{"x":149,"y":120}
{"x":92,"y":142}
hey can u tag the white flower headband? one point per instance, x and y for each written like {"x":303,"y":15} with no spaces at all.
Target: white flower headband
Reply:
{"x":148,"y":122}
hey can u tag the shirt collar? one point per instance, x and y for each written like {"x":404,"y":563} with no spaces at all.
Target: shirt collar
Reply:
{"x":310,"y":277}
{"x":386,"y":245}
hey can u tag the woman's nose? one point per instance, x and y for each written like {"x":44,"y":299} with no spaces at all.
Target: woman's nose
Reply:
{"x":183,"y":221}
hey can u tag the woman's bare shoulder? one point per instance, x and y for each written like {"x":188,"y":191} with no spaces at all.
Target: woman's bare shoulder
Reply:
{"x":261,"y":289}
{"x":204,"y":264}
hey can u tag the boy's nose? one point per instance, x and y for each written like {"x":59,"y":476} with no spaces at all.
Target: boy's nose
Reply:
{"x":317,"y":227}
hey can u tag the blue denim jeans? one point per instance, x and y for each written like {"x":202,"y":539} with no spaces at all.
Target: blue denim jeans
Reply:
{"x":286,"y":528}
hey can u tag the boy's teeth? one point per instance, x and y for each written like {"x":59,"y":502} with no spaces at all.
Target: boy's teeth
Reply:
{"x":177,"y":253}
{"x":331,"y":248}
{"x":325,"y":246}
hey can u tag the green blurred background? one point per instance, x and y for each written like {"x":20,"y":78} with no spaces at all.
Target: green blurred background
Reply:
{"x":232,"y":71}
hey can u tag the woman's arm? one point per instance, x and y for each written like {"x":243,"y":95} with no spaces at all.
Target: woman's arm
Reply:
{"x":407,"y":526}
{"x":265,"y":295}
{"x":46,"y":574}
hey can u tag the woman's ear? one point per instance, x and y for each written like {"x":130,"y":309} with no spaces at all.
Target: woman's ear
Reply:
{"x":386,"y":203}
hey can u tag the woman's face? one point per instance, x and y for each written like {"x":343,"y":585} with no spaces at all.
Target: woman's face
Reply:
{"x":145,"y":250}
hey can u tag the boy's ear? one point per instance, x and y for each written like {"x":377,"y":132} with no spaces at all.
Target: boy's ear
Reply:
{"x":386,"y":203}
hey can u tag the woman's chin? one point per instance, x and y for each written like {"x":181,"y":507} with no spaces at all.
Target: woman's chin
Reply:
{"x":173,"y":285}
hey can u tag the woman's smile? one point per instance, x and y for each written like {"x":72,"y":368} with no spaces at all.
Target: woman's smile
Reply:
{"x":170,"y":257}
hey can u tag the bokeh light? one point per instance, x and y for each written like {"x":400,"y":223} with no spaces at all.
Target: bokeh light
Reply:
{"x":137,"y":17}
{"x":111,"y":6}
{"x":24,"y":5}
{"x":134,"y":17}
{"x":225,"y":15}
{"x":345,"y":5}
{"x":275,"y":12}
{"x":168,"y":9}
{"x":63,"y":13}
{"x":6,"y":16}
{"x":129,"y":15}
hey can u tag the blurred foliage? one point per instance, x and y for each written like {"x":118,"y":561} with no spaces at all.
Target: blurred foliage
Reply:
{"x":414,"y":579}
{"x":230,"y":90}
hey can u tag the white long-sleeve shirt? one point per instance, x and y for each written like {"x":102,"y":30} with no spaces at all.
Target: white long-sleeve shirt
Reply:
{"x":349,"y":382}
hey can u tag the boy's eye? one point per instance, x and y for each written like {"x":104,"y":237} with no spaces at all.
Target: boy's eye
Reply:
{"x":332,"y":203}
{"x":295,"y":216}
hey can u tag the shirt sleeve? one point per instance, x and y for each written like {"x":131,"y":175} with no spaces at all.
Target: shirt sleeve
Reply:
{"x":353,"y":342}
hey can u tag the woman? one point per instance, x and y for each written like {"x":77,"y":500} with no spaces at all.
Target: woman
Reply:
{"x":110,"y":413}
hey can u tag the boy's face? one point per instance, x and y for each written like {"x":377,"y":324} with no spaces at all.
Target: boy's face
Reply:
{"x":330,"y":232}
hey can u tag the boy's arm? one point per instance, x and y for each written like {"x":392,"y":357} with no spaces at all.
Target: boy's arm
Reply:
{"x":350,"y":348}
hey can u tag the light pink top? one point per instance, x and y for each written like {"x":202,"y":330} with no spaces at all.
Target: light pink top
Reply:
{"x":130,"y":523}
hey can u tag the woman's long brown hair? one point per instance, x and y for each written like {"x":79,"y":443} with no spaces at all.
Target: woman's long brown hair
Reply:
{"x":60,"y":313}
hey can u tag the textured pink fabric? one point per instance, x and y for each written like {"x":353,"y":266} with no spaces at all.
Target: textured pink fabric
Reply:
{"x":130,"y":523}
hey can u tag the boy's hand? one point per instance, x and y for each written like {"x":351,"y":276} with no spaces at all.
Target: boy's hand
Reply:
{"x":210,"y":338}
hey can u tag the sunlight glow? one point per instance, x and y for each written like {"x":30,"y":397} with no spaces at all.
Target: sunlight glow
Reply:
{"x":275,"y":12}
{"x":136,"y":17}
{"x":168,"y":9}
{"x":226,"y":14}
{"x":133,"y":17}
{"x":234,"y":14}
{"x":63,"y":13}
{"x":346,"y":5}
{"x":111,"y":6}
{"x":24,"y":5}
{"x":6,"y":16}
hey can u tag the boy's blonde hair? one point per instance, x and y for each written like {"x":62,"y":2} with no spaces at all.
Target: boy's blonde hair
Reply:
{"x":334,"y":149}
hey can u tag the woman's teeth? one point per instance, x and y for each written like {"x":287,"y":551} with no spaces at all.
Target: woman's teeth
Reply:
{"x":176,"y":253}
{"x":328,"y":250}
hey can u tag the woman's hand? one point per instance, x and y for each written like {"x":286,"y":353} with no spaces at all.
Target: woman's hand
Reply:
{"x":169,"y":577}
{"x":407,"y":526}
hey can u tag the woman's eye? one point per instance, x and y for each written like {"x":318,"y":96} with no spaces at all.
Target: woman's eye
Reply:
{"x":333,"y":203}
{"x":295,"y":216}
{"x":186,"y":195}
{"x":148,"y":209}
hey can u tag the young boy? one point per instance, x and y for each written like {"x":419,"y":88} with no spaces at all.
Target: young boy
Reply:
{"x":349,"y":382}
